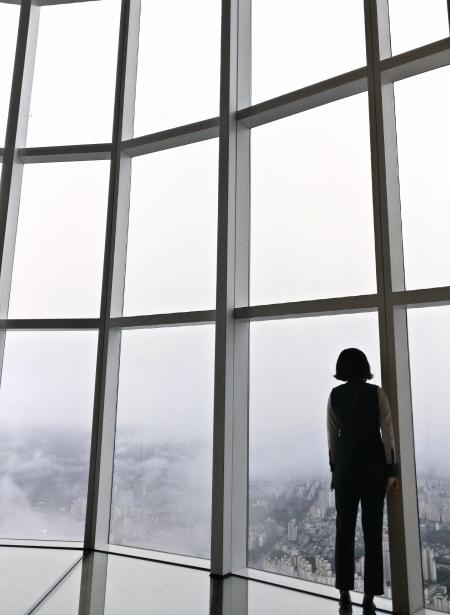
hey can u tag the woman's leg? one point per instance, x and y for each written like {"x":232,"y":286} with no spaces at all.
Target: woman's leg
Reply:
{"x":347,"y":499}
{"x":372,"y":503}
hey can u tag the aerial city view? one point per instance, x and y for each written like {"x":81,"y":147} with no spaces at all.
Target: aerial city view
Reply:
{"x":292,"y":531}
{"x":158,"y":504}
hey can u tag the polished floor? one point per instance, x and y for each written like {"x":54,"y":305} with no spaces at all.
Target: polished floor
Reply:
{"x":61,"y":582}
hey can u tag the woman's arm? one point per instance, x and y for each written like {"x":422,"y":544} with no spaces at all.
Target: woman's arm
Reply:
{"x":332,"y":432}
{"x":387,"y":432}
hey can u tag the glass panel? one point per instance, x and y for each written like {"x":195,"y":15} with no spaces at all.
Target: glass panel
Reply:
{"x":163,"y":460}
{"x":74,"y":77}
{"x":423,"y":133}
{"x":147,"y":588}
{"x":264,"y":599}
{"x":9,"y":19}
{"x":298,"y":42}
{"x":171,"y":258}
{"x":46,"y":399}
{"x":291,"y":507}
{"x":58,"y":259}
{"x":177,"y":74}
{"x":66,"y":598}
{"x":416,"y":22}
{"x":27,"y":574}
{"x":429,"y":343}
{"x":311,"y":220}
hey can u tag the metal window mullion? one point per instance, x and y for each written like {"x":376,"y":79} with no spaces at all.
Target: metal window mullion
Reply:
{"x":230,"y":441}
{"x":407,"y":587}
{"x":309,"y":97}
{"x":172,"y":137}
{"x":12,"y":168}
{"x":108,"y":354}
{"x":65,"y":153}
{"x":416,"y":61}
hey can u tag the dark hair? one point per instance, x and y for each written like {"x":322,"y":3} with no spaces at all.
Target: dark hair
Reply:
{"x":352,"y":364}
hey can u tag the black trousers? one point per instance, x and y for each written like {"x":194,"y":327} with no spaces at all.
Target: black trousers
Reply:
{"x":369,"y":488}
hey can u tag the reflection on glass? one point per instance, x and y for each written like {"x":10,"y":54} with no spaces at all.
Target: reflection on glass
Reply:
{"x":291,"y":508}
{"x":268,"y":600}
{"x":429,"y":348}
{"x":66,"y":598}
{"x":311,"y":219}
{"x":74,"y":77}
{"x":423,"y":131}
{"x":27,"y":574}
{"x":171,"y":254}
{"x":46,"y":398}
{"x":9,"y":19}
{"x":58,"y":257}
{"x":178,"y":64}
{"x":163,"y":457}
{"x":147,"y":588}
{"x":416,"y":22}
{"x":298,"y":42}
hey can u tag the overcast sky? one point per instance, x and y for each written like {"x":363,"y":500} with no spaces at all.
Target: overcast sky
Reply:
{"x":312,"y":226}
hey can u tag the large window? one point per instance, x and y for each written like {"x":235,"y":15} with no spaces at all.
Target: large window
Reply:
{"x":171,"y":252}
{"x":58,"y":257}
{"x":46,"y":400}
{"x":429,"y":342}
{"x":417,"y":22}
{"x":177,"y":74}
{"x":423,"y":126}
{"x":311,"y":205}
{"x":73,"y":86}
{"x":295,"y":44}
{"x":201,"y":203}
{"x":291,"y":508}
{"x":162,"y":471}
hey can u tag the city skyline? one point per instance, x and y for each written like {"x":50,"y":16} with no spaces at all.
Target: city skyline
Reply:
{"x":157,"y":504}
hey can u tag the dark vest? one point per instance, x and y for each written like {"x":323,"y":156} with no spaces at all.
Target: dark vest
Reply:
{"x":360,"y":446}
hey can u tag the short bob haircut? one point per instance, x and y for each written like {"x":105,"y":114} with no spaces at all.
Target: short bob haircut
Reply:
{"x":352,"y":364}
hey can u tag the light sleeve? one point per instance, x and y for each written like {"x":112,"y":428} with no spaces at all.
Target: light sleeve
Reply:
{"x":332,"y":432}
{"x":387,"y":432}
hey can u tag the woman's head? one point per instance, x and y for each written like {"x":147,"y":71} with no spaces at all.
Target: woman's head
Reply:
{"x":352,"y":364}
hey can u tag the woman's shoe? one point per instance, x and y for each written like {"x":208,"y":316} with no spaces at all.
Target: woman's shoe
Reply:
{"x":345,"y":602}
{"x":368,"y":606}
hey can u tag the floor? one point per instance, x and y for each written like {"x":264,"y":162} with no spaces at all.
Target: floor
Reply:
{"x":61,"y":582}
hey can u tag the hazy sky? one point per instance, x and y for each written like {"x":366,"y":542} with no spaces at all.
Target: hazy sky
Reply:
{"x":74,"y":80}
{"x":171,"y":257}
{"x":178,"y":64}
{"x":312,"y":220}
{"x":301,"y":43}
{"x":312,"y":232}
{"x":417,"y":22}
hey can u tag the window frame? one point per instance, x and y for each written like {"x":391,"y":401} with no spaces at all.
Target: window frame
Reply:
{"x":233,"y":311}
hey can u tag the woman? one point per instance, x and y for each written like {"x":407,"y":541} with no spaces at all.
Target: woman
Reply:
{"x":363,"y":466}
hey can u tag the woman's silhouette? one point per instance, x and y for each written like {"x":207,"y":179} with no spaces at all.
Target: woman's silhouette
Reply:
{"x":363,"y":466}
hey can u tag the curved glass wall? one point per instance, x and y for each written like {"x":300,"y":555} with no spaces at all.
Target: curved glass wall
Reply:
{"x":200,"y":204}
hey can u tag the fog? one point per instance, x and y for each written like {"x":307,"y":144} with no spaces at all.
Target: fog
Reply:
{"x":311,"y":237}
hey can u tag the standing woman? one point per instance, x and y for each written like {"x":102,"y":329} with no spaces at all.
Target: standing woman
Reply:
{"x":363,"y":466}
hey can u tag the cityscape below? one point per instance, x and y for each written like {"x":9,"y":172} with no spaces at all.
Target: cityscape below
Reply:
{"x":161,"y":501}
{"x":292,"y":532}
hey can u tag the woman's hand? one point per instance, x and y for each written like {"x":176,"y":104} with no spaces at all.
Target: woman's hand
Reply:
{"x":392,"y":484}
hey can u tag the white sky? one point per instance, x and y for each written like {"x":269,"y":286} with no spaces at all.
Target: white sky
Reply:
{"x":74,"y":80}
{"x":295,"y":44}
{"x":417,"y":22}
{"x":311,"y":226}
